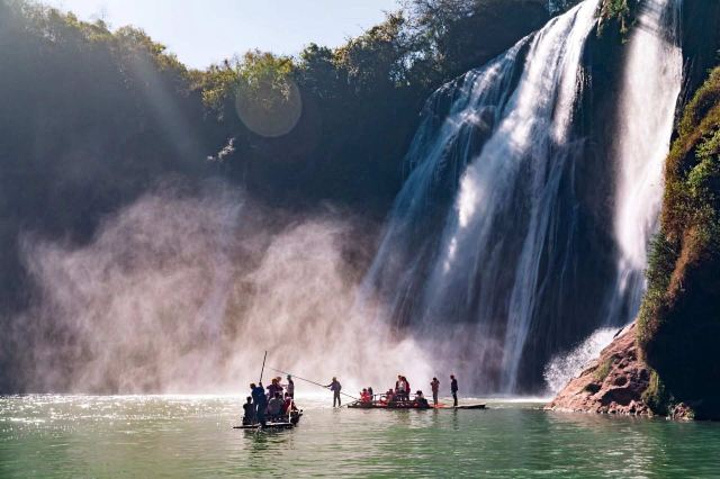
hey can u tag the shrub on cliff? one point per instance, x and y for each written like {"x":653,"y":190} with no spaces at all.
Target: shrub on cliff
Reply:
{"x":679,"y":321}
{"x":620,"y":13}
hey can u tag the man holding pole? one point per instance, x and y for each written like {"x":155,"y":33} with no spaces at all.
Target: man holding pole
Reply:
{"x":258,"y":395}
{"x":335,"y":387}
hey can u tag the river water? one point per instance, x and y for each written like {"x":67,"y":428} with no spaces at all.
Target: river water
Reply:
{"x":192,"y":436}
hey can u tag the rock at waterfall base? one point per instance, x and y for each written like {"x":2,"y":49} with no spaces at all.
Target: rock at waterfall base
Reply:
{"x":612,"y":384}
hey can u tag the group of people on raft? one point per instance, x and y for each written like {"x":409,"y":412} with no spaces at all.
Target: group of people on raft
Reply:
{"x":277,"y":405}
{"x":400,"y":395}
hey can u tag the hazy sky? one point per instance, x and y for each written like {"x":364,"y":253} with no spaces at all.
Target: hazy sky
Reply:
{"x":204,"y":31}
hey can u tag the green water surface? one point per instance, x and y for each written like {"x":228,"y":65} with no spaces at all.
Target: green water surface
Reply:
{"x":181,"y":436}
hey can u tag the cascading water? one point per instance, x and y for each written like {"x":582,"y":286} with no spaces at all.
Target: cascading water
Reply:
{"x":491,"y":254}
{"x":652,"y":81}
{"x":653,"y":74}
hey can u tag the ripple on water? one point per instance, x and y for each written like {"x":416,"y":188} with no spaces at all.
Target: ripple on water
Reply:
{"x":185,"y":436}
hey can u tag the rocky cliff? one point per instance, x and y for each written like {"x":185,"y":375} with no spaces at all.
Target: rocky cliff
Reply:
{"x":613,"y":383}
{"x":619,"y":381}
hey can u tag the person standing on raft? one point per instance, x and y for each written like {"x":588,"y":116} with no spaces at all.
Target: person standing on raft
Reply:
{"x":290,"y":386}
{"x":435,"y":385}
{"x":260,"y":401}
{"x":335,"y":387}
{"x":454,"y":389}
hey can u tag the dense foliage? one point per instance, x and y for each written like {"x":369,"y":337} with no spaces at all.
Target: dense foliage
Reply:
{"x":360,"y":102}
{"x":679,"y":321}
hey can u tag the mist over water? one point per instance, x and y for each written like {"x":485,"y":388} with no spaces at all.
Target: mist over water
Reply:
{"x":183,"y":292}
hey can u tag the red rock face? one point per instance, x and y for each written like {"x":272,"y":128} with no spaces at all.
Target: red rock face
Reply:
{"x":612,"y":384}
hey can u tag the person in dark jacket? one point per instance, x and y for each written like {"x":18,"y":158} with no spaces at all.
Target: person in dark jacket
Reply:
{"x":420,"y":401}
{"x":454,"y":389}
{"x":249,"y":412}
{"x":260,"y":401}
{"x":335,"y":387}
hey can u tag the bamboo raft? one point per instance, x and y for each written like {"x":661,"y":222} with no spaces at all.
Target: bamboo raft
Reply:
{"x":273,"y":426}
{"x":410,"y":405}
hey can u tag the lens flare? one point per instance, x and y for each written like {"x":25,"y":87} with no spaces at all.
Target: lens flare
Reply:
{"x":271,"y":110}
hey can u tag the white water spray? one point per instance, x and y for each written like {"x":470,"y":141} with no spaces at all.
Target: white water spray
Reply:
{"x":564,"y":367}
{"x":651,"y":84}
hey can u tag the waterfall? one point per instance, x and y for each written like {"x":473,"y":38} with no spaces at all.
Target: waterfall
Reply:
{"x":651,"y":85}
{"x":490,"y":256}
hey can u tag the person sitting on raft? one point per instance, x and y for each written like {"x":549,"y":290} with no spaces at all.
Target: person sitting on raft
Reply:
{"x":365,"y":397}
{"x":288,"y":405}
{"x":275,"y":407}
{"x":249,"y":412}
{"x":420,"y":400}
{"x":385,"y":399}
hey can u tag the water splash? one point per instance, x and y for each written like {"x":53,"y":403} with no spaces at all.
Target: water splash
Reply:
{"x":564,"y":367}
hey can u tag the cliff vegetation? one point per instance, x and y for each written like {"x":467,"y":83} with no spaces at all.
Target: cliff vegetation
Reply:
{"x":679,"y":322}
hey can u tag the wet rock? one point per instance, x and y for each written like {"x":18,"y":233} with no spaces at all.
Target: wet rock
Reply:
{"x":682,"y":412}
{"x":613,"y":384}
